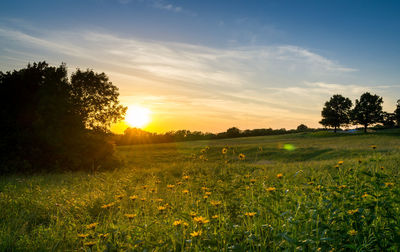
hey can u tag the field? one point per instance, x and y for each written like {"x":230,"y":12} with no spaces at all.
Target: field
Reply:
{"x":307,"y":191}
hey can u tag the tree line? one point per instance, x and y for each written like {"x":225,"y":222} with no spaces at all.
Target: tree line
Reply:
{"x":139,"y":136}
{"x":339,"y":111}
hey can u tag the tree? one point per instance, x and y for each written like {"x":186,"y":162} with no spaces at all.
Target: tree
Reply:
{"x":233,"y":132}
{"x":302,"y":127}
{"x":43,"y":126}
{"x":388,"y":119}
{"x":367,"y":110}
{"x":397,"y":113}
{"x":336,"y":112}
{"x":95,"y":99}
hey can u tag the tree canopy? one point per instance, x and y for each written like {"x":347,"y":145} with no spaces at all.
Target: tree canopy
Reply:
{"x":367,"y":110}
{"x":336,"y":112}
{"x":50,"y":122}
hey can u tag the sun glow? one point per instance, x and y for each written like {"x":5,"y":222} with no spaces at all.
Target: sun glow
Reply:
{"x":137,"y":116}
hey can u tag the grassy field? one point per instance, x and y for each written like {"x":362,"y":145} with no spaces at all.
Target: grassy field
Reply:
{"x":310,"y":192}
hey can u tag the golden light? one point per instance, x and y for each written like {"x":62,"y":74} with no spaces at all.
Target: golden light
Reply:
{"x":137,"y":116}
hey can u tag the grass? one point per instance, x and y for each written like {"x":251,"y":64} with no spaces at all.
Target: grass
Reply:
{"x":306,"y":192}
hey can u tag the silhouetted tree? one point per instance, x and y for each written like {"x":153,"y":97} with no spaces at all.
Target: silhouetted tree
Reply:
{"x":302,"y":127}
{"x":233,"y":132}
{"x":48,"y":121}
{"x":397,"y":113}
{"x":367,"y":110}
{"x":336,"y":112}
{"x":388,"y":119}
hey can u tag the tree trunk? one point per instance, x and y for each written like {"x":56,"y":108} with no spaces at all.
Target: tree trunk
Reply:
{"x":334,"y":129}
{"x":365,"y":128}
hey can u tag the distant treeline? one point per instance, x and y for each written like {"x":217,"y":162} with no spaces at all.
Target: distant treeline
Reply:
{"x":138,"y":136}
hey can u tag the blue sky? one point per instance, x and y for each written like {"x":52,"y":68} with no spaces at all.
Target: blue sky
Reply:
{"x":209,"y":65}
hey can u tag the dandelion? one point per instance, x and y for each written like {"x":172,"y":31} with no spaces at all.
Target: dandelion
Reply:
{"x":185,"y":191}
{"x":271,"y":189}
{"x":215,"y":202}
{"x":90,"y":244}
{"x":107,"y":206}
{"x":224,"y":151}
{"x":373,"y":147}
{"x":352,"y":232}
{"x":83,"y":235}
{"x":279,"y":175}
{"x":133,"y":197}
{"x":201,"y":220}
{"x":130,"y":216}
{"x":351,"y":212}
{"x":170,"y":186}
{"x":340,"y":162}
{"x":242,"y":156}
{"x":389,"y":184}
{"x":250,"y":214}
{"x":195,"y":234}
{"x":92,"y":226}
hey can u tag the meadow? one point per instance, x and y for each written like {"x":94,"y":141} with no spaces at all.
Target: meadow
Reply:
{"x":299,"y":192}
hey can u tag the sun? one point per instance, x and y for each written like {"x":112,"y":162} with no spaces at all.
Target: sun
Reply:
{"x":137,"y":116}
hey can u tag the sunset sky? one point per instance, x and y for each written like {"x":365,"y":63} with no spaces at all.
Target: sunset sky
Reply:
{"x":210,"y":65}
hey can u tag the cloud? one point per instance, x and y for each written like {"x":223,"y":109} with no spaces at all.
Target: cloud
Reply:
{"x":258,"y":86}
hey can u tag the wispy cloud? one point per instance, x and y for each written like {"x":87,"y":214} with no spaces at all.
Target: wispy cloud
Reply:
{"x":253,"y":86}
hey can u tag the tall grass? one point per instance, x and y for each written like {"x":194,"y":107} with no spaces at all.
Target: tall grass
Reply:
{"x":326,"y":193}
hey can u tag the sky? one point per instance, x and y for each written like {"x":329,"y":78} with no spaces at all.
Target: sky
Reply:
{"x":209,"y":65}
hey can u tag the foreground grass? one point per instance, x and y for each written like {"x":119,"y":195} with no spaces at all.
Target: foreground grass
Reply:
{"x":292,"y":192}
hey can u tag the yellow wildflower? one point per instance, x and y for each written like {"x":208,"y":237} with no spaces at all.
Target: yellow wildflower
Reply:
{"x":207,"y":193}
{"x":351,"y":212}
{"x":389,"y":184}
{"x":271,"y":189}
{"x":170,"y":186}
{"x":342,"y":187}
{"x":92,"y":226}
{"x":201,"y":220}
{"x":144,"y":186}
{"x":340,"y":162}
{"x":186,"y":177}
{"x":195,"y":234}
{"x":215,"y":217}
{"x":279,"y":175}
{"x":253,"y":181}
{"x":143,"y":199}
{"x":185,"y":191}
{"x":352,"y":232}
{"x":373,"y":147}
{"x":119,"y":196}
{"x":130,"y":216}
{"x":83,"y":235}
{"x":193,"y":214}
{"x":204,"y":188}
{"x":158,"y":200}
{"x":161,"y":208}
{"x":133,"y":197}
{"x":205,"y":197}
{"x":250,"y":214}
{"x":108,"y":205}
{"x":224,"y":151}
{"x":104,"y":235}
{"x":242,"y":156}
